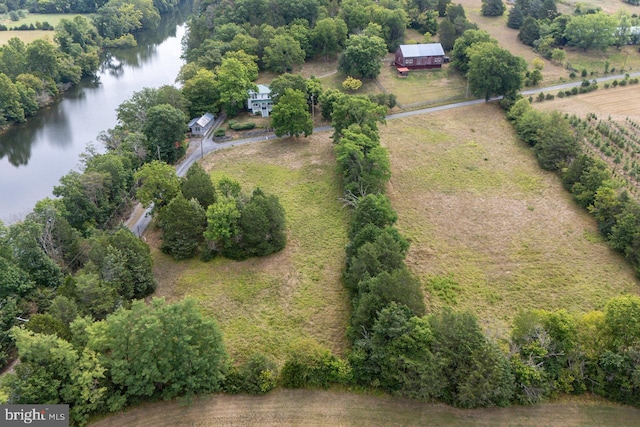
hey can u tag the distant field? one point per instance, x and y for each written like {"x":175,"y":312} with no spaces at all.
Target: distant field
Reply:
{"x":330,"y":408}
{"x":491,"y":232}
{"x":508,"y":39}
{"x":31,"y":18}
{"x":25,"y":36}
{"x":270,"y":304}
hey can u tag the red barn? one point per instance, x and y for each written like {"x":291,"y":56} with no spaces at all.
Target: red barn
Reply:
{"x":415,"y":56}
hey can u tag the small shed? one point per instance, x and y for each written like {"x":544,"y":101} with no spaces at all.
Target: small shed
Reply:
{"x":199,"y":126}
{"x":417,"y":56}
{"x":403,"y":71}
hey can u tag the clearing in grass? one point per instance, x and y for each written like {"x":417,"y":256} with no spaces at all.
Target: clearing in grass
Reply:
{"x":274,"y":303}
{"x":490,"y":231}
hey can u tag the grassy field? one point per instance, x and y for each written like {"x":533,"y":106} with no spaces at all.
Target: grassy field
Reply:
{"x":328,"y":408}
{"x":276,"y":303}
{"x":491,"y":232}
{"x":30,"y":18}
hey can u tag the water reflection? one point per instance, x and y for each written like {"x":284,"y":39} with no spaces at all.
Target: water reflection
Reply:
{"x":34,"y":155}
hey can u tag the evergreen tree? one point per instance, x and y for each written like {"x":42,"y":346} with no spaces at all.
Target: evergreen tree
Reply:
{"x":516,"y":18}
{"x":492,"y":8}
{"x":182,"y":222}
{"x":197,"y":185}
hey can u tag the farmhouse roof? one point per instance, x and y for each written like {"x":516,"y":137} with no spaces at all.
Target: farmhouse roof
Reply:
{"x":263,"y":90}
{"x":428,"y":49}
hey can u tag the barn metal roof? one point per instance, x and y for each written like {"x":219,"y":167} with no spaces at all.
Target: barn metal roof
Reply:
{"x":204,"y":120}
{"x":428,"y":49}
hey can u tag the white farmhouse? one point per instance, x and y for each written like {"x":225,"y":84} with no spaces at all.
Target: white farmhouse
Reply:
{"x":260,"y":102}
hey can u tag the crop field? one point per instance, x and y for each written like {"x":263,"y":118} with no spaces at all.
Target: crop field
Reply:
{"x":613,"y":128}
{"x":330,"y":408}
{"x":490,"y":232}
{"x":291,"y":298}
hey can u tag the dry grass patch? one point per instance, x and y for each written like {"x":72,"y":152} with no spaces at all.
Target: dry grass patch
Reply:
{"x":26,"y":36}
{"x":268,"y":304}
{"x":331,"y":408}
{"x":619,"y":103}
{"x":491,"y":232}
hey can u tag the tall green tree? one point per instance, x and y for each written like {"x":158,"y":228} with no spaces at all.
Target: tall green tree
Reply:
{"x":363,"y":56}
{"x":283,"y":54}
{"x":233,"y":83}
{"x":494,"y":71}
{"x":328,"y":36}
{"x":182,"y":222}
{"x":202,"y":92}
{"x":158,"y":349}
{"x":358,"y":110}
{"x":462,"y":47}
{"x":592,"y":31}
{"x":492,"y":8}
{"x":529,"y":31}
{"x":290,"y":116}
{"x":159,"y":184}
{"x":165,"y":129}
{"x":197,"y":185}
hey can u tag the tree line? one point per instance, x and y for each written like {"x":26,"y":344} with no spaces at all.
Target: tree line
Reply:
{"x":541,"y":26}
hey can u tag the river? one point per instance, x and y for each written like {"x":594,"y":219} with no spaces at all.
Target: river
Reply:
{"x":34,"y":155}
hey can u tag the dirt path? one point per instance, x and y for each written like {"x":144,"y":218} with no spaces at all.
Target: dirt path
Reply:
{"x":329,"y":408}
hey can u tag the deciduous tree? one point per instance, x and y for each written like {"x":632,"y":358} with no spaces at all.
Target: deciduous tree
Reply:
{"x":291,"y":116}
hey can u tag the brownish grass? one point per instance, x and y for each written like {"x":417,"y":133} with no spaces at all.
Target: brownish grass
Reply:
{"x":331,"y":408}
{"x":25,"y":36}
{"x":272,"y":304}
{"x":618,"y":103}
{"x":478,"y":209}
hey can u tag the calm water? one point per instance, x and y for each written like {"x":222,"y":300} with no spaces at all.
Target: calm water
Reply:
{"x":34,"y":155}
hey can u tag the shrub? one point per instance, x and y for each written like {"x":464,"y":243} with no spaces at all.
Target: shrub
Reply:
{"x":623,"y":82}
{"x":549,"y":97}
{"x":584,"y":72}
{"x":219,"y":132}
{"x":313,"y":366}
{"x":233,"y":125}
{"x":572,"y":75}
{"x":540,"y":97}
{"x":574,"y":90}
{"x":561,"y":94}
{"x":615,"y":83}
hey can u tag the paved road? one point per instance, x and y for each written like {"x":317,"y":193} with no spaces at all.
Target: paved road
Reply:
{"x":208,"y":146}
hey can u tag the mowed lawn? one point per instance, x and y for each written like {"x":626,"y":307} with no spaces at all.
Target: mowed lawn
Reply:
{"x":295,"y":297}
{"x":491,"y":232}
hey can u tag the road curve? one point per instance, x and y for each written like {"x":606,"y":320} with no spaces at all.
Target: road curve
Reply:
{"x":208,"y":146}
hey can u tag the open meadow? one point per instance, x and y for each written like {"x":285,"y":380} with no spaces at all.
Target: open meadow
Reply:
{"x":490,"y":231}
{"x":30,"y":18}
{"x":291,"y":298}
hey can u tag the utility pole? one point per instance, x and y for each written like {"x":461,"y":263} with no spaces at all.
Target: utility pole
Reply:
{"x":313,"y":110}
{"x":201,"y":149}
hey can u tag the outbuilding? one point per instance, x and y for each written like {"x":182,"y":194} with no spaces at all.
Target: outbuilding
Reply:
{"x":199,"y":126}
{"x":416,"y":56}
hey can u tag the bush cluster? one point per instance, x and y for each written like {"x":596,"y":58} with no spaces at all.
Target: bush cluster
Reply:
{"x":234,"y":125}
